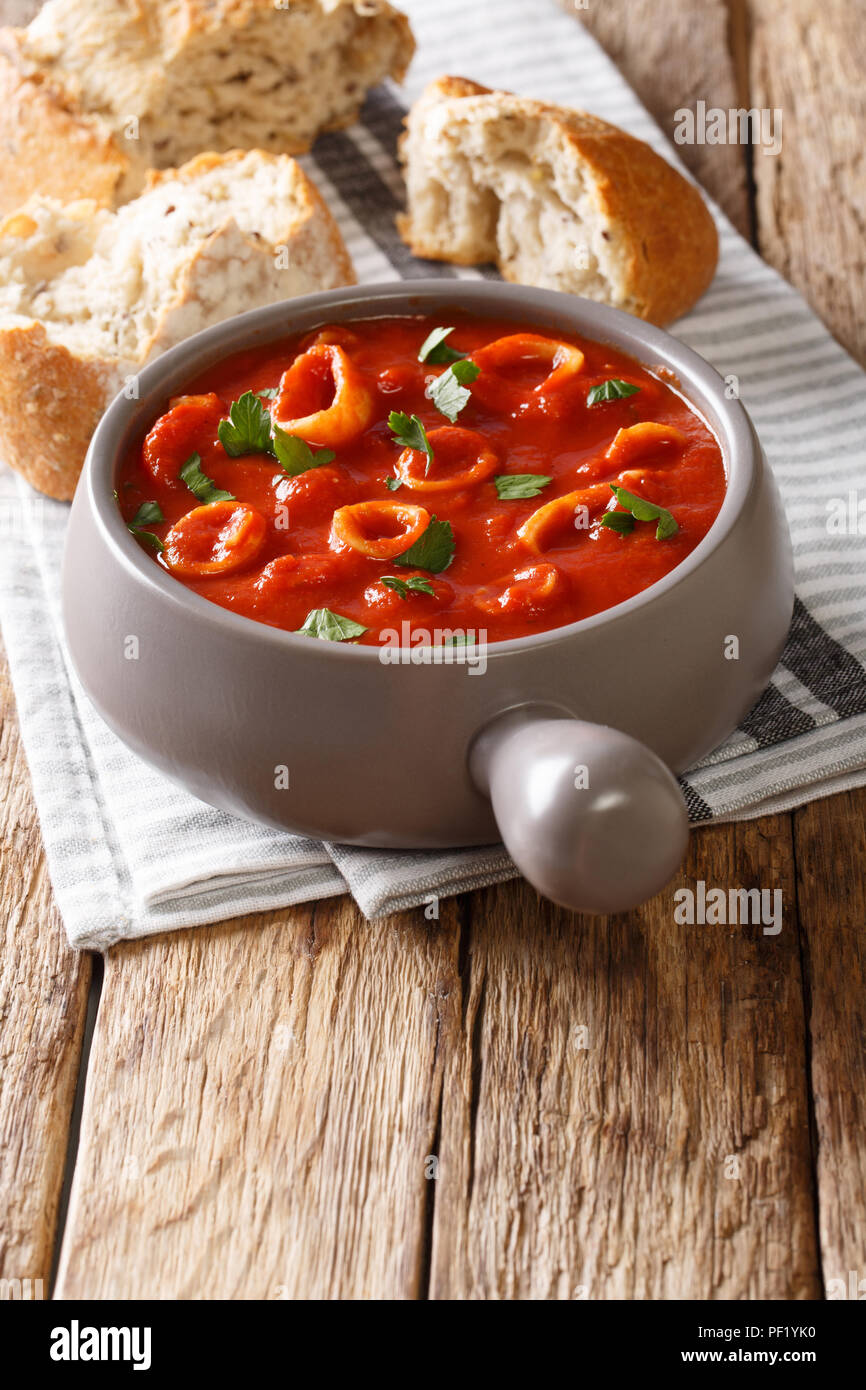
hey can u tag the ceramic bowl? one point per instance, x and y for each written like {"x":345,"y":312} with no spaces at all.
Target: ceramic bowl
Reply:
{"x":563,"y":743}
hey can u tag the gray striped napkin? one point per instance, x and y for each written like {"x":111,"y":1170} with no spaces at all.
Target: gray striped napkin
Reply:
{"x":130,"y":854}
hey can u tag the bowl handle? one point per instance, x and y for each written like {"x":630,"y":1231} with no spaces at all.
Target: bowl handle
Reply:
{"x":593,"y":818}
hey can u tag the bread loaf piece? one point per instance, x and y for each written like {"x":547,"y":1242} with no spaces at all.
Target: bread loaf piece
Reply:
{"x":94,"y":94}
{"x":555,"y":198}
{"x":88,"y":296}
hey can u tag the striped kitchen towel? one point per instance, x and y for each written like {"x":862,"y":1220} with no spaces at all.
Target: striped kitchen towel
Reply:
{"x":130,"y":854}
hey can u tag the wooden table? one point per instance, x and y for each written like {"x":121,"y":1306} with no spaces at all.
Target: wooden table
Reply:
{"x":512,"y":1102}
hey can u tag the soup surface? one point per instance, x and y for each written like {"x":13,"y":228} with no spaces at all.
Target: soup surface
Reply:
{"x":388,"y":481}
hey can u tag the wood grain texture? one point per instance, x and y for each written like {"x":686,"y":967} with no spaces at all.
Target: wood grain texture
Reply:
{"x":261,"y":1100}
{"x":627,"y":1116}
{"x":808,"y":61}
{"x":43,"y":999}
{"x":831,"y":851}
{"x":811,"y":224}
{"x":673,"y":59}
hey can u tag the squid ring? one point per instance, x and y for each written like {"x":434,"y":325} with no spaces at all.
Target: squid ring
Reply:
{"x":350,"y":410}
{"x":540,"y":530}
{"x":218,"y":538}
{"x":450,"y":446}
{"x":379,"y":530}
{"x":494,"y":388}
{"x":635,"y":440}
{"x":530,"y":590}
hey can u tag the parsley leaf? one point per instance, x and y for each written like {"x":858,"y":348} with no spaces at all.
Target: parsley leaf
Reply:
{"x":621,"y":522}
{"x":642,"y":510}
{"x":435,"y":349}
{"x":450,"y":391}
{"x":148,"y":514}
{"x":248,"y":428}
{"x":295,"y":454}
{"x":513,"y":486}
{"x":149,"y":538}
{"x":392,"y":484}
{"x":409,"y":432}
{"x":433,"y":550}
{"x":199,"y":484}
{"x":330,"y":627}
{"x":415,"y":584}
{"x":268,"y":393}
{"x":615,"y":389}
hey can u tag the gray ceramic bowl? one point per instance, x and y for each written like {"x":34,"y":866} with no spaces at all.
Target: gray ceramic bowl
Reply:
{"x":564,"y":746}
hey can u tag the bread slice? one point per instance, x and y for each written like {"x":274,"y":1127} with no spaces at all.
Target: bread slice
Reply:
{"x":94,"y":94}
{"x":88,"y":296}
{"x":555,"y":198}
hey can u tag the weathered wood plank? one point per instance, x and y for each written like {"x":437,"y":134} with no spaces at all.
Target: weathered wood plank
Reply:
{"x":811,"y":216}
{"x":43,"y":1000}
{"x":673,"y":59}
{"x":808,"y":61}
{"x":831,"y":852}
{"x":261,"y":1100}
{"x":628,"y":1116}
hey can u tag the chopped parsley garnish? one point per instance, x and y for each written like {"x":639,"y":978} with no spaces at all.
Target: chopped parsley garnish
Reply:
{"x":295,"y":454}
{"x":615,"y":389}
{"x":330,"y":627}
{"x":392,"y":484}
{"x":415,"y":584}
{"x":409,"y":432}
{"x":641,"y":510}
{"x":248,"y":428}
{"x":450,"y":391}
{"x":514,"y":486}
{"x":268,"y":393}
{"x":621,"y":522}
{"x":148,"y":514}
{"x":433,"y":550}
{"x":435,"y":349}
{"x":200,"y":485}
{"x":149,"y":538}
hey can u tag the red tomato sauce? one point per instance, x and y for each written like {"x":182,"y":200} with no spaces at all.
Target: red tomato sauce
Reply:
{"x":283,"y":546}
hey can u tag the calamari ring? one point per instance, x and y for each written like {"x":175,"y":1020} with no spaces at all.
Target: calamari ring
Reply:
{"x":380,"y":530}
{"x":288,"y":573}
{"x":350,"y":410}
{"x":636,"y":440}
{"x":540,"y":530}
{"x":530,"y":590}
{"x":493,"y":387}
{"x":218,"y":538}
{"x":189,"y":422}
{"x":450,"y":445}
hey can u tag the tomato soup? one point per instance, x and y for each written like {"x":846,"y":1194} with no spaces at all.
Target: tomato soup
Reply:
{"x":398,"y":478}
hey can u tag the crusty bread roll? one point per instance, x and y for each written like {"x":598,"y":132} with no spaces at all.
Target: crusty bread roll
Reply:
{"x":94,"y":94}
{"x":87,"y":296}
{"x":555,"y":198}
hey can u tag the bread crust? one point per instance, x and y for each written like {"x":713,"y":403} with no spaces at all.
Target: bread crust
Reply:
{"x":50,"y":404}
{"x":314,"y":235}
{"x":51,"y":398}
{"x":666,"y":240}
{"x":64,"y":137}
{"x":45,"y":144}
